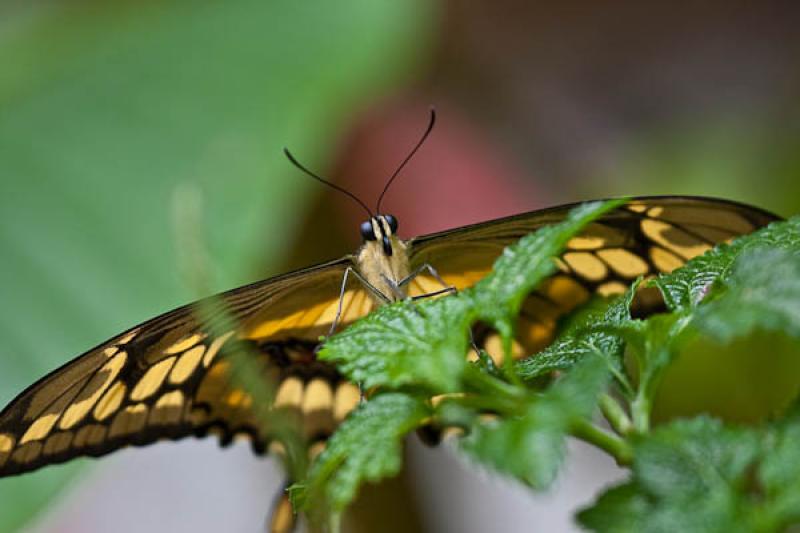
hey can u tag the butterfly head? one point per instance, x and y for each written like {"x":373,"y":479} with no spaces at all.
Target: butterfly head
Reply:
{"x":380,"y":229}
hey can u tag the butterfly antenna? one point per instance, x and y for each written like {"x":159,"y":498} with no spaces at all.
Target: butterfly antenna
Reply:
{"x":408,"y":158}
{"x":326,"y":182}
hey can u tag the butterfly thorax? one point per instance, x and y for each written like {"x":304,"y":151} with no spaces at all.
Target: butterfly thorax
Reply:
{"x":383,"y":258}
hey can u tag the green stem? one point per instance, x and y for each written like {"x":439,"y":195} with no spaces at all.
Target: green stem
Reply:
{"x":507,"y":334}
{"x":615,"y":414}
{"x":640,"y":412}
{"x":606,"y":441}
{"x":490,"y":385}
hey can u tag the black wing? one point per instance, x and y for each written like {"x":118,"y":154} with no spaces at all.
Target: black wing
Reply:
{"x":644,"y":237}
{"x":170,"y":377}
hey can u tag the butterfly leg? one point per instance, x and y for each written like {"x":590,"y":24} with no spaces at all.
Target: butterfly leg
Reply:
{"x":434,"y":274}
{"x":347,"y":273}
{"x":447,"y":289}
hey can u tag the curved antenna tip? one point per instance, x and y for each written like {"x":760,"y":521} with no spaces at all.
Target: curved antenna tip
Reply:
{"x":431,"y":122}
{"x":322,"y":180}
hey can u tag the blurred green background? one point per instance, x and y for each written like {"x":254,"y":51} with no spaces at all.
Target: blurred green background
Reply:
{"x":106,"y":108}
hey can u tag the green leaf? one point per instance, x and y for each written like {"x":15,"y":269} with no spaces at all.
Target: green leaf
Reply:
{"x":524,"y":265}
{"x":761,"y":292}
{"x":367,"y":447}
{"x":408,"y":343}
{"x":688,"y":285}
{"x":691,"y":457}
{"x":779,"y":473}
{"x":692,"y":476}
{"x":530,"y":447}
{"x":592,"y":331}
{"x":655,"y":343}
{"x":621,"y":509}
{"x":730,"y":292}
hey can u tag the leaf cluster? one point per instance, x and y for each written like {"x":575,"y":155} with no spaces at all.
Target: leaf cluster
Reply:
{"x":699,"y":474}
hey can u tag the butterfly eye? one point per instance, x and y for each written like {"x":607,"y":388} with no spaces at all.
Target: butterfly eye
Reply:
{"x":367,"y":233}
{"x":392,"y":221}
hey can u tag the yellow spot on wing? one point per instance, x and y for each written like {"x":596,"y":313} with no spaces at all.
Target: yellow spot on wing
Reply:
{"x":318,"y":396}
{"x":345,"y":400}
{"x":674,"y":239}
{"x":585,"y":243}
{"x":290,"y":393}
{"x":71,"y":378}
{"x":111,"y":350}
{"x":128,"y":337}
{"x":40,"y":428}
{"x":611,"y":288}
{"x":184,"y":343}
{"x":586,"y":265}
{"x":215,"y":347}
{"x":168,"y":409}
{"x":6,"y":442}
{"x":565,"y":291}
{"x":186,"y":364}
{"x":92,"y":391}
{"x":663,"y":260}
{"x":494,"y":347}
{"x":624,"y":262}
{"x":110,"y":401}
{"x":152,"y":380}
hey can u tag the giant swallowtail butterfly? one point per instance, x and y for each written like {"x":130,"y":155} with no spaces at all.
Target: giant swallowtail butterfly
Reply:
{"x":170,"y":378}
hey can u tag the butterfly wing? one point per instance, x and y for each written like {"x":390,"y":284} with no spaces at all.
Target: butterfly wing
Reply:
{"x":644,"y":237}
{"x":170,"y":377}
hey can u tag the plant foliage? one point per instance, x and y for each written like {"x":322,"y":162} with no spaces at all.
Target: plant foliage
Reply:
{"x":695,"y":474}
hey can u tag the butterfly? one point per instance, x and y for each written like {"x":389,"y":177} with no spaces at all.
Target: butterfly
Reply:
{"x":171,"y":377}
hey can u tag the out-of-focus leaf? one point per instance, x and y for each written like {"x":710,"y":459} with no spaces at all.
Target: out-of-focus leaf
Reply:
{"x":531,"y":447}
{"x":365,"y":448}
{"x":686,"y":477}
{"x":702,"y":476}
{"x":779,"y":474}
